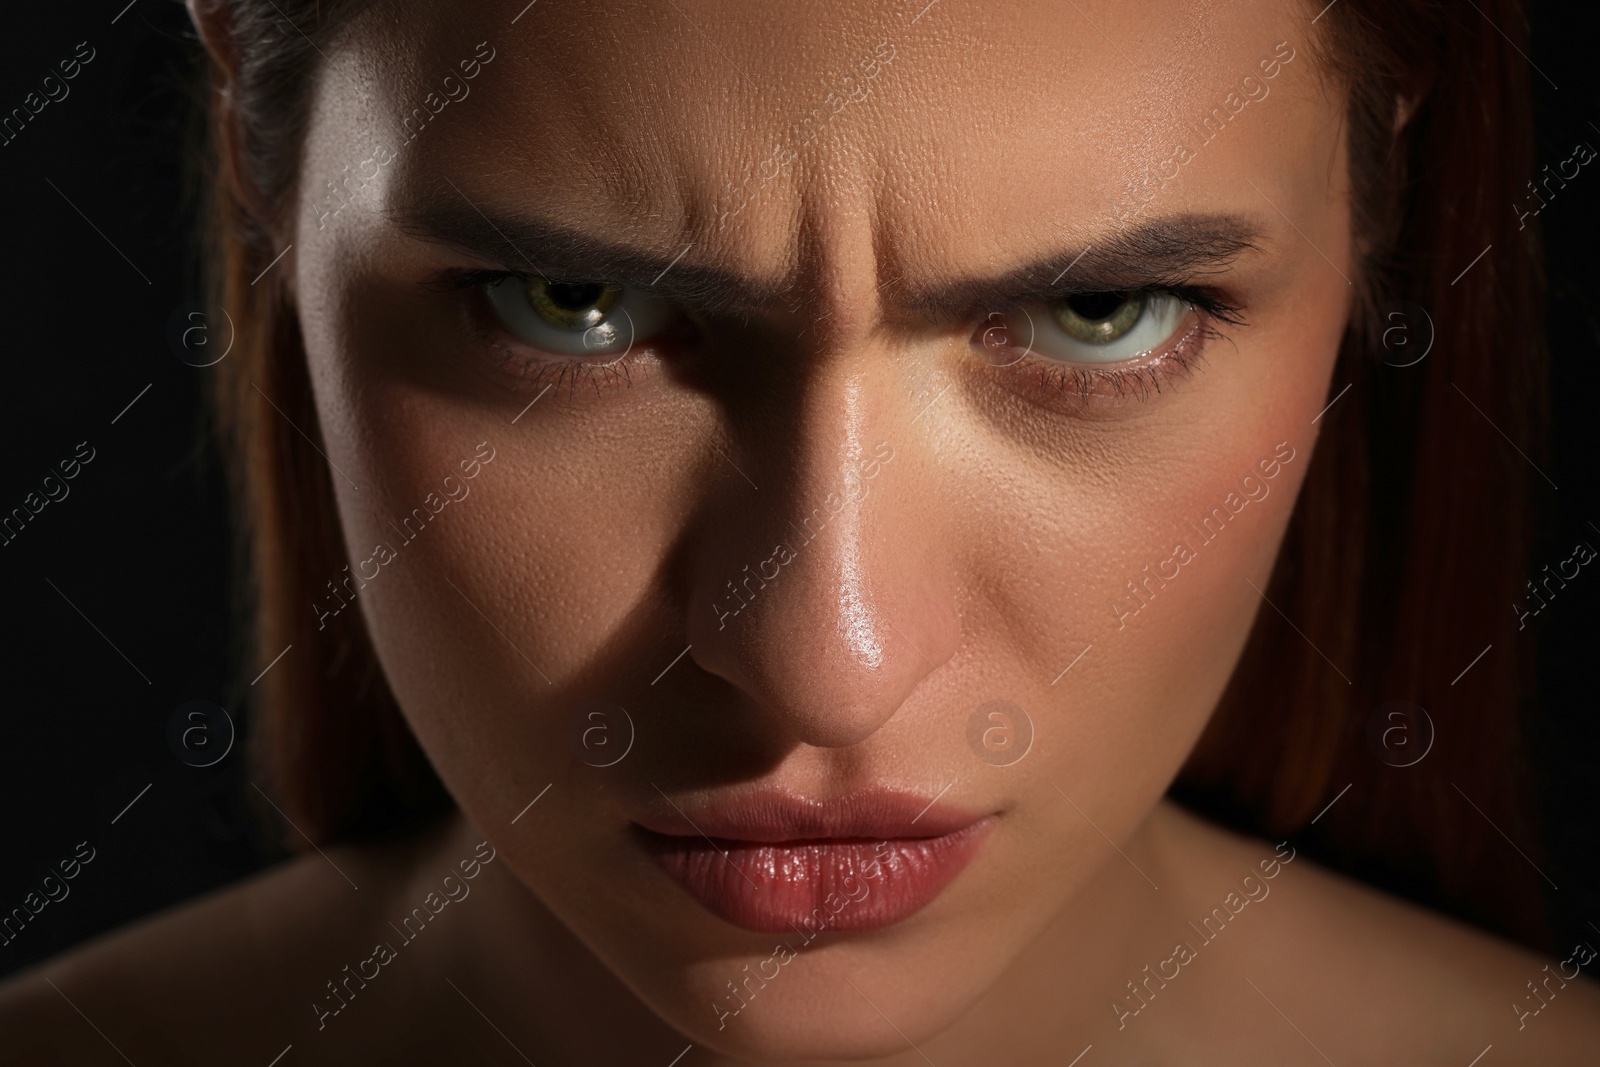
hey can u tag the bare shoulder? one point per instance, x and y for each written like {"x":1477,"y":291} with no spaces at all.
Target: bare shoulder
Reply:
{"x":220,"y":971}
{"x":1373,"y":972}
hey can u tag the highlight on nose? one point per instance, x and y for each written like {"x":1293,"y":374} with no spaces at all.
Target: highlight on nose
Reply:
{"x":830,"y":627}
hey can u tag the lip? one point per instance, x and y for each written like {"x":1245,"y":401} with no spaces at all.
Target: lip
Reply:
{"x":773,"y":861}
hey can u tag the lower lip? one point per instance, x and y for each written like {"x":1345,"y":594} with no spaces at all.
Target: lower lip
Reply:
{"x":807,"y":886}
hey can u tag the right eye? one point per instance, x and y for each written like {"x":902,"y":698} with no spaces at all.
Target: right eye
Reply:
{"x":577,"y":318}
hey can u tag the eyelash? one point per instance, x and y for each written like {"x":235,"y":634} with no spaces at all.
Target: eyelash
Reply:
{"x":1180,"y":358}
{"x":1083,"y":382}
{"x":531,"y":372}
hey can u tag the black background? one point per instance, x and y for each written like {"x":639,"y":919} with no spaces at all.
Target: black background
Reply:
{"x":141,"y":552}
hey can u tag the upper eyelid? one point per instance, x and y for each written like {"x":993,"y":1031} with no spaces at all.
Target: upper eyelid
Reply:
{"x":1051,"y":294}
{"x":1202,"y":297}
{"x":456,"y":278}
{"x":1171,"y":361}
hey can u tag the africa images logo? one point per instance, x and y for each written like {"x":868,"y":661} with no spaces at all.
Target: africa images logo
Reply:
{"x":1142,"y":590}
{"x":455,"y":489}
{"x":783,"y":553}
{"x":1251,"y":90}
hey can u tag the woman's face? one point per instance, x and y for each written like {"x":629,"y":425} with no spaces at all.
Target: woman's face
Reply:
{"x":735,"y":559}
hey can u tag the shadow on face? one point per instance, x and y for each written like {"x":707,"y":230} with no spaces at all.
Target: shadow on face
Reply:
{"x":826,"y":374}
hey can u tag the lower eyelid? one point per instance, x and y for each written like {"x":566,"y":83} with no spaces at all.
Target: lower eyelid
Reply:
{"x":1135,"y":378}
{"x":513,"y":364}
{"x":517,"y":366}
{"x":600,"y":375}
{"x":520,"y":367}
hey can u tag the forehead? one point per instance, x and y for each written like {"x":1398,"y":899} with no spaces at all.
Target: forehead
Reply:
{"x":753,"y":129}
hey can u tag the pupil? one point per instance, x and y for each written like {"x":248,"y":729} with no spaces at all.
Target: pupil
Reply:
{"x":1095,"y":306}
{"x":574,"y":296}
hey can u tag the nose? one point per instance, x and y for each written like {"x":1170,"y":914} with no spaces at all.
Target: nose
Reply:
{"x":826,"y":595}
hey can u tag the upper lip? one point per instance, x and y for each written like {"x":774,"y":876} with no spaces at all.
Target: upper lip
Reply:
{"x":773,"y":816}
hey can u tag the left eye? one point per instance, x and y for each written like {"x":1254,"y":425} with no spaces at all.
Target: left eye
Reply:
{"x":577,"y":318}
{"x":1094,"y":328}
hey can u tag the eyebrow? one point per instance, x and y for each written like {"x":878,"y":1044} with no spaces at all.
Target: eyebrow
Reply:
{"x":1165,"y":251}
{"x":561,"y":253}
{"x":1168,"y":251}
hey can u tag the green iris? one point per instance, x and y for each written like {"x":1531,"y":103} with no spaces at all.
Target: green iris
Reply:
{"x":572,"y":305}
{"x":1099,"y":318}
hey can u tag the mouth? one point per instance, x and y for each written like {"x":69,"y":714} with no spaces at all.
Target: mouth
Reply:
{"x":772,"y":861}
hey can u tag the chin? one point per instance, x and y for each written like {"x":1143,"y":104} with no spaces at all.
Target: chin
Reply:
{"x":817,"y":1006}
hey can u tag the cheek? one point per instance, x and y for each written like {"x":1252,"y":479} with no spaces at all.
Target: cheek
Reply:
{"x":1143,"y":553}
{"x":505,"y":607}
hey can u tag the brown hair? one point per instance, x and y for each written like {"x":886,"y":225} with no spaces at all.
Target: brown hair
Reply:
{"x":1406,"y":548}
{"x":1410,"y":542}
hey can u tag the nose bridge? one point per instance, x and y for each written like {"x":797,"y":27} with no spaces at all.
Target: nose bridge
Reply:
{"x":836,"y":607}
{"x":834,"y":485}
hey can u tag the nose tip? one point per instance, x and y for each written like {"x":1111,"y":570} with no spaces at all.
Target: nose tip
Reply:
{"x":831,"y":628}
